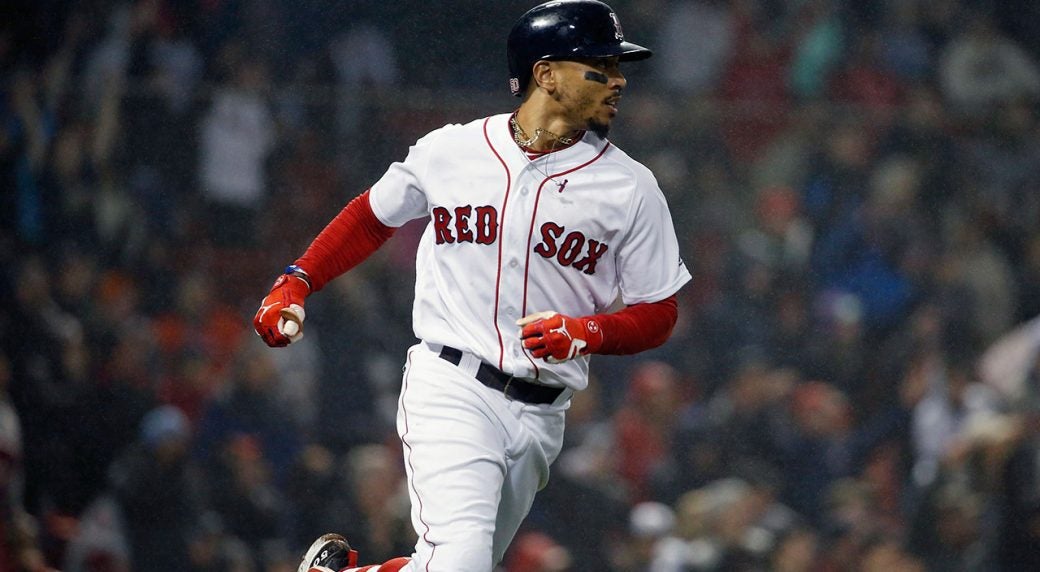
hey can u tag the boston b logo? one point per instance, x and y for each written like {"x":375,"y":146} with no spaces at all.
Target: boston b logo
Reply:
{"x":617,"y":27}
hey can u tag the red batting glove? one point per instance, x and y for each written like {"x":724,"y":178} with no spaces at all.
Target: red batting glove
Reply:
{"x":279,"y":321}
{"x":557,"y":338}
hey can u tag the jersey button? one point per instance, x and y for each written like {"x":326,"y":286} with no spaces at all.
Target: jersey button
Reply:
{"x":513,"y":263}
{"x":523,"y":190}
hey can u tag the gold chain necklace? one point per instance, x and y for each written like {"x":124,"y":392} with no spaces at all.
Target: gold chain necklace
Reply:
{"x":525,"y":142}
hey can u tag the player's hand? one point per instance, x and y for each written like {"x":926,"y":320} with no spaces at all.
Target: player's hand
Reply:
{"x":557,"y":338}
{"x":279,"y":321}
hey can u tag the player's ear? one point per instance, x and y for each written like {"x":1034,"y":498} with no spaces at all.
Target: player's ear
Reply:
{"x":543,"y":75}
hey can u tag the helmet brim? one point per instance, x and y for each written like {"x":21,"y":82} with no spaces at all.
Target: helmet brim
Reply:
{"x":625,"y":51}
{"x":633,"y":52}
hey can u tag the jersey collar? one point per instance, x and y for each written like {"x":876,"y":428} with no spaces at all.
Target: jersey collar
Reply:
{"x":500,"y":135}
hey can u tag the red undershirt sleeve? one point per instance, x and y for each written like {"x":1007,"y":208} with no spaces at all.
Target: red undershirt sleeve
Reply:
{"x":345,"y":242}
{"x":638,"y":327}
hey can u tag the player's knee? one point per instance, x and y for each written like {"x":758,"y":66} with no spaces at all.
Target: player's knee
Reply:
{"x":461,"y":555}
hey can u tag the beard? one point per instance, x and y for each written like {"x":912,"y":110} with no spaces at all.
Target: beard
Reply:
{"x":600,"y":129}
{"x":576,"y":102}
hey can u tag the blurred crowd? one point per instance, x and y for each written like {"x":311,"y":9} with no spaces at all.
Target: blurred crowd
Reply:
{"x":852,"y":383}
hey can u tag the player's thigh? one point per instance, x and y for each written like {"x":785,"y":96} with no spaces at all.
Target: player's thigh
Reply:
{"x":454,"y":452}
{"x":528,"y":472}
{"x":518,"y":494}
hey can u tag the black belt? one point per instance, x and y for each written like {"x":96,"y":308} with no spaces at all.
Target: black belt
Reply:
{"x":513,"y":387}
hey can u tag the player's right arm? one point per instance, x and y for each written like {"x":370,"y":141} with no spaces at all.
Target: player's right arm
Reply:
{"x":359,"y":229}
{"x":350,"y":238}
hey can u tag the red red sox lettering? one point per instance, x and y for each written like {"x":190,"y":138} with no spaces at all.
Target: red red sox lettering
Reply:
{"x":485,"y":224}
{"x":480,"y":225}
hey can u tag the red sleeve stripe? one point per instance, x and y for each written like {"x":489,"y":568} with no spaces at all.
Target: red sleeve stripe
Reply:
{"x":345,"y":242}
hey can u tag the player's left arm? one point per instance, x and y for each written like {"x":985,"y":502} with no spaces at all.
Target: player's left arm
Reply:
{"x":649,"y":273}
{"x":556,"y":337}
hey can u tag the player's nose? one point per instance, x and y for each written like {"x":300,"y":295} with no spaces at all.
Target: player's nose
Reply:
{"x":617,"y":81}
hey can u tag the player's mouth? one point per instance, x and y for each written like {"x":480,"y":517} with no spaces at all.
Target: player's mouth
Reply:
{"x":612,"y":104}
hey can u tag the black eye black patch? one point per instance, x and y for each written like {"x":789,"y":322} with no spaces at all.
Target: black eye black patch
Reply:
{"x":596,"y":76}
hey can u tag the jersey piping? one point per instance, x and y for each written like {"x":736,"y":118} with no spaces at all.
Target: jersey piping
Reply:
{"x":530,"y":231}
{"x":404,"y":441}
{"x":502,"y":223}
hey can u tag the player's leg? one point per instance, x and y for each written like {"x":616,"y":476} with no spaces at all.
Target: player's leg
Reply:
{"x":455,"y":448}
{"x":456,"y":438}
{"x":541,"y":441}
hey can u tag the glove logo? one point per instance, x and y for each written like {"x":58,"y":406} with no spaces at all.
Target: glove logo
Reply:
{"x":264,"y":309}
{"x":593,"y":327}
{"x":562,"y":330}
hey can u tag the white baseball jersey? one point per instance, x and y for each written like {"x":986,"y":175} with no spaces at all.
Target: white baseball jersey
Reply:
{"x":510,"y":236}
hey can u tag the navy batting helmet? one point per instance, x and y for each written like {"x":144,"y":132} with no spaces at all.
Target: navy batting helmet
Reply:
{"x":565,"y":29}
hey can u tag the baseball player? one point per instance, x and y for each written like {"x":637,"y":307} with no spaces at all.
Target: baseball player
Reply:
{"x":538,"y":224}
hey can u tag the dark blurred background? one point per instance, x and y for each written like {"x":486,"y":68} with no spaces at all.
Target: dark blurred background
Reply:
{"x":852,"y":384}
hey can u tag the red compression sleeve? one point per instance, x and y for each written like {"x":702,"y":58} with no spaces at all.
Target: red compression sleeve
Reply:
{"x":638,"y":327}
{"x":345,"y":242}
